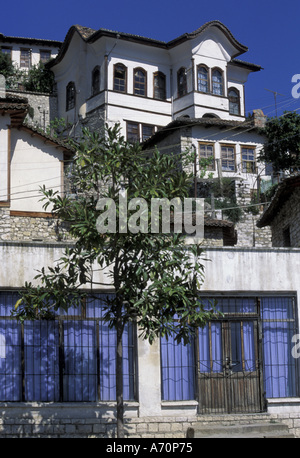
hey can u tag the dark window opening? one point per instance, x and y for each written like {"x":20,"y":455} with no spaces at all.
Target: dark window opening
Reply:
{"x":70,"y":96}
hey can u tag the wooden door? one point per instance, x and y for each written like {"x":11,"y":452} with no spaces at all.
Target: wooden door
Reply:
{"x":229,"y":367}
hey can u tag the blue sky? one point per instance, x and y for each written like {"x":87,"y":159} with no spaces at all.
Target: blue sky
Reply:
{"x":270,"y":29}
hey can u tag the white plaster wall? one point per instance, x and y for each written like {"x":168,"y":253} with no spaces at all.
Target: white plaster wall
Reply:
{"x":35,"y":52}
{"x":34,"y":163}
{"x":72,"y":68}
{"x":238,"y":269}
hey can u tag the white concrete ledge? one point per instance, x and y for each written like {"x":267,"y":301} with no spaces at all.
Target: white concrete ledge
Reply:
{"x":283,"y":405}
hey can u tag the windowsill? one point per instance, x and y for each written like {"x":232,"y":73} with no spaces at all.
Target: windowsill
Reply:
{"x":139,"y":96}
{"x":94,"y":95}
{"x":178,"y":404}
{"x":275,"y":401}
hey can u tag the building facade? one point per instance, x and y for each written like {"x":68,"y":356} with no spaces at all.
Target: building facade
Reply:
{"x":57,"y":377}
{"x":26,"y":52}
{"x":283,"y":214}
{"x":30,"y":160}
{"x":144,"y":84}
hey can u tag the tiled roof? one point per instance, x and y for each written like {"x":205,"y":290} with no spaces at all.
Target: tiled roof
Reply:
{"x":190,"y":122}
{"x":85,"y":32}
{"x":212,"y":222}
{"x":59,"y":142}
{"x":39,"y":41}
{"x":91,"y":35}
{"x":282,"y":194}
{"x":17,"y":108}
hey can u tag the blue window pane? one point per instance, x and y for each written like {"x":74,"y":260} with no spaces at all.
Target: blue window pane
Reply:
{"x":107,"y":348}
{"x":80,"y":357}
{"x":10,"y":361}
{"x":278,"y":329}
{"x":178,"y":370}
{"x":7,"y":302}
{"x":41,"y":361}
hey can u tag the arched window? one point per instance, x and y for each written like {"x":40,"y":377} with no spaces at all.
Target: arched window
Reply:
{"x":140,"y":82}
{"x":159,"y":83}
{"x":96,"y":80}
{"x":181,"y":82}
{"x":217,"y":82}
{"x":202,"y":79}
{"x":234,"y":101}
{"x":120,"y":78}
{"x":70,"y":96}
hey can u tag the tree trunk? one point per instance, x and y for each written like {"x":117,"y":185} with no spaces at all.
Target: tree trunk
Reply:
{"x":119,"y":377}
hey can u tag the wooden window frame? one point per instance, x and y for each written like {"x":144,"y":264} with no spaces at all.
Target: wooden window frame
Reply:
{"x":95,"y":87}
{"x":143,"y":137}
{"x":163,"y":89}
{"x":222,"y":82}
{"x":212,"y":166}
{"x":115,"y":79}
{"x":46,"y":51}
{"x":29,"y":58}
{"x":246,"y":162}
{"x":184,"y":91}
{"x":238,"y":102}
{"x":7,"y":51}
{"x":224,"y":145}
{"x":144,"y":84}
{"x":139,"y":131}
{"x":208,"y":78}
{"x":70,"y":101}
{"x":130,"y":140}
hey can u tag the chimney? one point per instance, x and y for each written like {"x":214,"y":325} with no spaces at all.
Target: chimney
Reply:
{"x":259,"y":119}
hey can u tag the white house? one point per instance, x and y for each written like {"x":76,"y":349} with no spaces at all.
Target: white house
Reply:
{"x":144,"y":84}
{"x":29,"y":160}
{"x":26,"y":52}
{"x":57,"y":377}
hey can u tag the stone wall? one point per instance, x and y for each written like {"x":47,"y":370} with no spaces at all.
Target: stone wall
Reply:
{"x":213,"y":236}
{"x":37,"y":420}
{"x":287,"y":219}
{"x":248,"y":234}
{"x":43,"y":108}
{"x":31,"y":228}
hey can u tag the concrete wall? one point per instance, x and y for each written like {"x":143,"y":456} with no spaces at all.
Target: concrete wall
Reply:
{"x":228,"y":270}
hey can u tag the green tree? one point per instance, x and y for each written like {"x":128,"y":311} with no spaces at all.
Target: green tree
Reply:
{"x":282,"y":147}
{"x":156,"y":277}
{"x":6,"y":65}
{"x":39,"y":79}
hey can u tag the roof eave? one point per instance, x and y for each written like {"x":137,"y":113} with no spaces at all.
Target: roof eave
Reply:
{"x":283,"y":191}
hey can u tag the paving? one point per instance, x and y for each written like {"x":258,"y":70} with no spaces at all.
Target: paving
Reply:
{"x":255,"y":430}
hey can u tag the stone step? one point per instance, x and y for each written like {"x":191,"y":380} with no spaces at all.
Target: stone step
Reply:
{"x":252,"y":430}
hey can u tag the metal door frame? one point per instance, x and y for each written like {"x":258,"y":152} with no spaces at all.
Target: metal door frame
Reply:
{"x":217,"y":389}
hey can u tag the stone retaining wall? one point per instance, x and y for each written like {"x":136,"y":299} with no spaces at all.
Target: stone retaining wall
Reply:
{"x":31,"y":228}
{"x":27,"y":420}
